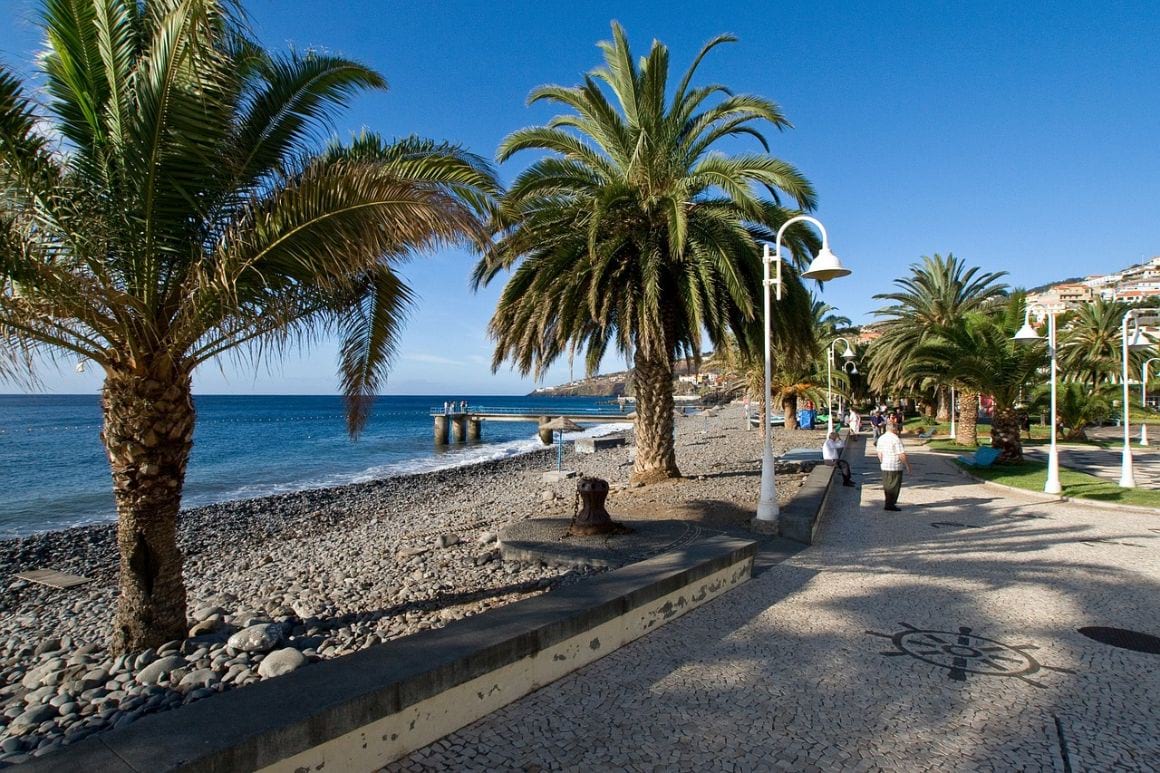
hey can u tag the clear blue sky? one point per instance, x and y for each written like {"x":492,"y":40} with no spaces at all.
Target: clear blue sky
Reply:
{"x":1020,"y":136}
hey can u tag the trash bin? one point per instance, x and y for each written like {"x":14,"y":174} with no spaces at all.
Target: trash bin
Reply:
{"x":806,"y":418}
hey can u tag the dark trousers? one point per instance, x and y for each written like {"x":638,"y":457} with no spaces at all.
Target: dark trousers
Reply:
{"x":892,"y":485}
{"x":844,"y":468}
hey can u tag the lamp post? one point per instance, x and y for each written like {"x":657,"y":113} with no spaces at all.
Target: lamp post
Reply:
{"x":825,"y":266}
{"x":1127,"y":475}
{"x":1144,"y":399}
{"x":954,"y":435}
{"x":848,"y":356}
{"x":1027,"y":334}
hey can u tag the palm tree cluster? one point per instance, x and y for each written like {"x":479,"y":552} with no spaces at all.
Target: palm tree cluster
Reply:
{"x":170,"y":203}
{"x":950,"y":325}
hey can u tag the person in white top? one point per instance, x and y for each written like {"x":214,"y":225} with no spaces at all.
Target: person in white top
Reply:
{"x":832,"y":456}
{"x":855,"y":422}
{"x":892,"y":458}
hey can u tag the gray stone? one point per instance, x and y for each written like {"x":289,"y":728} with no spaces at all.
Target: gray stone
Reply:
{"x":35,"y":715}
{"x":202,"y":677}
{"x":158,"y":669}
{"x":206,"y":612}
{"x":144,"y":659}
{"x":487,"y":537}
{"x":281,"y":662}
{"x":48,"y":645}
{"x":206,"y":626}
{"x":41,"y":674}
{"x":447,"y":540}
{"x":257,"y":638}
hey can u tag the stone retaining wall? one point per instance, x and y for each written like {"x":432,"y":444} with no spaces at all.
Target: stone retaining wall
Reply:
{"x":364,"y":710}
{"x":801,"y":517}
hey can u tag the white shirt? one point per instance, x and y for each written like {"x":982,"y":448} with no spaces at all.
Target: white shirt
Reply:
{"x":832,"y":450}
{"x":890,"y":449}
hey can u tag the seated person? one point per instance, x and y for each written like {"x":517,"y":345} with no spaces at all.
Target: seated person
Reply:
{"x":831,"y":450}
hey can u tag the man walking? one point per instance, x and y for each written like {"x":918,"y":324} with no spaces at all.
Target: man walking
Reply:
{"x":892,"y":458}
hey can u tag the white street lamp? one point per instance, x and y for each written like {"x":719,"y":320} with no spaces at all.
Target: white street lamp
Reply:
{"x":954,"y":435}
{"x":848,"y":356}
{"x":1027,"y":334}
{"x":824,"y":267}
{"x":1144,"y":399}
{"x":1138,"y":341}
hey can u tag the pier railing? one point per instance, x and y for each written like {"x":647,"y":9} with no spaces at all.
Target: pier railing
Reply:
{"x":533,"y":410}
{"x":466,"y":423}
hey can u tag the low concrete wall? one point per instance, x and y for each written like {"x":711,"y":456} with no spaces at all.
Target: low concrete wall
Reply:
{"x":801,"y":518}
{"x":590,"y":445}
{"x":364,"y":710}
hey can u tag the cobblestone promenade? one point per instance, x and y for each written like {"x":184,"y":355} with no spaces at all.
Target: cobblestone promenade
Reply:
{"x":940,"y":638}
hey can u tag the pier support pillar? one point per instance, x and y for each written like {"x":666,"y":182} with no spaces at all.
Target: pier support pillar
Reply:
{"x":459,"y":427}
{"x":441,"y":430}
{"x":474,"y":429}
{"x":545,"y":434}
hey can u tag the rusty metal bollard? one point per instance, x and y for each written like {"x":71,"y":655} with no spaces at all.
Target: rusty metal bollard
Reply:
{"x":591,"y":518}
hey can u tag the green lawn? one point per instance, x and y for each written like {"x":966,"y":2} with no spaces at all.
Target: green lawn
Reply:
{"x":1032,"y":475}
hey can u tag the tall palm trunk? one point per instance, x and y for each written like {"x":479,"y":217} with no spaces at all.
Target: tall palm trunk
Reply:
{"x":655,"y":456}
{"x":1005,"y":432}
{"x":148,"y":435}
{"x":789,"y":407}
{"x":944,"y":404}
{"x":967,"y":428}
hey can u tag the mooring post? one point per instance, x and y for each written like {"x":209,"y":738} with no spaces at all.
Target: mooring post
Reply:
{"x":474,"y":429}
{"x":545,"y":434}
{"x":441,"y":430}
{"x":459,"y":427}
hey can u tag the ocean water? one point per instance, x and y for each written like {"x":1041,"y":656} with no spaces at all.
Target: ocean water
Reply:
{"x":54,"y":474}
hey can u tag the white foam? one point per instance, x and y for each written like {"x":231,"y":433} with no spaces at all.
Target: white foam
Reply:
{"x":449,"y":460}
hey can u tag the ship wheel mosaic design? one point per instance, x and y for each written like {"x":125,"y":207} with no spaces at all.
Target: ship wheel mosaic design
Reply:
{"x":965,"y":653}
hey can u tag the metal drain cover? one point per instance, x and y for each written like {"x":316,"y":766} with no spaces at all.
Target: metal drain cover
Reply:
{"x":1124,"y":639}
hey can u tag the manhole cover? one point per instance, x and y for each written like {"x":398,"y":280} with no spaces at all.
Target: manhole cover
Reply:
{"x":1124,"y":639}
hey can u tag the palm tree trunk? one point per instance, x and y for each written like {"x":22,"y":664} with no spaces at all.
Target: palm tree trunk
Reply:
{"x":1005,"y":433}
{"x":789,"y":407}
{"x":967,"y":428}
{"x":944,"y":404}
{"x":148,"y":435}
{"x":656,"y":458}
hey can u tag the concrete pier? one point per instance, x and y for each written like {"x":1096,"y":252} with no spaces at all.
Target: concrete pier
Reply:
{"x":467,"y":425}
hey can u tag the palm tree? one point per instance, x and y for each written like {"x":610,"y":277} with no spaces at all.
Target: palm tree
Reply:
{"x":637,"y":232}
{"x":1090,"y":344}
{"x":1076,"y":407}
{"x":184,"y":213}
{"x":937,"y":295}
{"x":980,"y":354}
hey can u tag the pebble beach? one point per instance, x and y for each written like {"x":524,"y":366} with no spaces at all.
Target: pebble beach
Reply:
{"x":277,"y":583}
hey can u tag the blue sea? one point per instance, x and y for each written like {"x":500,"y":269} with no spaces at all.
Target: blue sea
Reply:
{"x":54,"y":474}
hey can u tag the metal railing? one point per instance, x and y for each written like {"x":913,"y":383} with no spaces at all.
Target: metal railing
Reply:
{"x":522,"y":411}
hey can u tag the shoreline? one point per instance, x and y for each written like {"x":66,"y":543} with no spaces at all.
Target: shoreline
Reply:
{"x":327,"y":571}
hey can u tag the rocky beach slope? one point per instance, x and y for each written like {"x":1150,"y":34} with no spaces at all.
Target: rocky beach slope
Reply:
{"x":279,"y":582}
